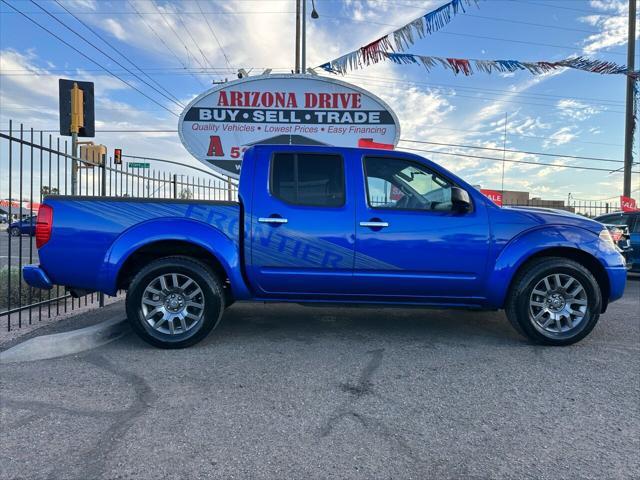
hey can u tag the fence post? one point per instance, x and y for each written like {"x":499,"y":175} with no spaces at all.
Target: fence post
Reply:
{"x":175,"y":186}
{"x":606,"y":207}
{"x":103,"y":193}
{"x":229,"y":191}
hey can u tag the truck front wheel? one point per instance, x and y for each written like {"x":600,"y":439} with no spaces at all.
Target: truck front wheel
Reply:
{"x":174,"y":302}
{"x":554,"y":301}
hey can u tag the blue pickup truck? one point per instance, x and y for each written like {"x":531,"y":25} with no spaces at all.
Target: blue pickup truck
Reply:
{"x":329,"y":225}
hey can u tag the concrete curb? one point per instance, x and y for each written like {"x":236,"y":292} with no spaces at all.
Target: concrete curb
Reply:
{"x":66,"y":343}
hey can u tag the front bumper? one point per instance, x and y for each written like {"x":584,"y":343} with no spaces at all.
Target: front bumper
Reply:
{"x":36,"y":277}
{"x":617,"y":281}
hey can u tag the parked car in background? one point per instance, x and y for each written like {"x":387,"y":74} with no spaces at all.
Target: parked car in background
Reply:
{"x":26,"y":226}
{"x":631,"y":220}
{"x":324,"y":225}
{"x":4,"y":218}
{"x":621,"y":237}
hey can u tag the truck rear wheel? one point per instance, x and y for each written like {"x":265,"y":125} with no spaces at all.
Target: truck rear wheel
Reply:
{"x":554,"y":301}
{"x":174,"y":302}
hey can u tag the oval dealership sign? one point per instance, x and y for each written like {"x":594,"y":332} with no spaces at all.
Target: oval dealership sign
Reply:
{"x":217,"y":126}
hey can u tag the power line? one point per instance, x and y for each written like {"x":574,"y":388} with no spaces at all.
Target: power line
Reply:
{"x":101,"y":37}
{"x":514,"y":134}
{"x":204,"y":57}
{"x":151,"y":70}
{"x":540,"y":25}
{"x":214,"y":35}
{"x":163,"y":41}
{"x":576,"y":167}
{"x":105,"y":53}
{"x":546,"y":154}
{"x":124,"y":12}
{"x":592,"y":12}
{"x":524,"y":42}
{"x":89,"y":58}
{"x":508,"y":40}
{"x":466,"y":14}
{"x":385,"y":80}
{"x":164,"y":19}
{"x":602,"y":101}
{"x":542,"y":154}
{"x":189,"y":70}
{"x":498,"y":100}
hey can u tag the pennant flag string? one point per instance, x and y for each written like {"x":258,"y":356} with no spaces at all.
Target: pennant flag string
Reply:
{"x":402,"y":38}
{"x":470,"y":66}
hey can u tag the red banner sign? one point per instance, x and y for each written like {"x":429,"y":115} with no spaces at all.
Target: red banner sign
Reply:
{"x":493,"y":195}
{"x":628,"y":204}
{"x":14,"y":204}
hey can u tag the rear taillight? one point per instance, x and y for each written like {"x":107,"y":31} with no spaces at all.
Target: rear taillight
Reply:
{"x":44,"y":223}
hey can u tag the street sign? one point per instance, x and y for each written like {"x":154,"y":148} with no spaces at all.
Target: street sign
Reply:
{"x":87,"y":114}
{"x":220,"y":124}
{"x":138,"y":165}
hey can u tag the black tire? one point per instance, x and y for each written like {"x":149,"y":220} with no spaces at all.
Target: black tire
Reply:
{"x":522,"y":303}
{"x":15,"y":232}
{"x":211,"y":294}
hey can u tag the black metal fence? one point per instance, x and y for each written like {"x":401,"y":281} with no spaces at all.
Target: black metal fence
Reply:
{"x":33,"y":165}
{"x":587,"y":208}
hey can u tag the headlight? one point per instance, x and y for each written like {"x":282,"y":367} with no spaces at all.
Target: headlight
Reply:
{"x":606,"y":242}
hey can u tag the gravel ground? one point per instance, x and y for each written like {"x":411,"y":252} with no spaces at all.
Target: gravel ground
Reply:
{"x":292,"y":392}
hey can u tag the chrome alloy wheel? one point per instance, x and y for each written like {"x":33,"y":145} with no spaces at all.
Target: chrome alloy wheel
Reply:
{"x":558,"y":304}
{"x":173,"y":303}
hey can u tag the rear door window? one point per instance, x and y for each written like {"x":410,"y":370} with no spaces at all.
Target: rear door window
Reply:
{"x":308,"y":179}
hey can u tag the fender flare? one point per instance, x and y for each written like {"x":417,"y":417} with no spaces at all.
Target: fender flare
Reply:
{"x":224,"y":249}
{"x":529,"y":243}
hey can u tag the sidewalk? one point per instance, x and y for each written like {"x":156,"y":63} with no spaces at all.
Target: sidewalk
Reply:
{"x":42,"y":324}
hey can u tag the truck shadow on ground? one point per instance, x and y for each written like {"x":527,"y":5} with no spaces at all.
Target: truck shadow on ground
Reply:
{"x":244,"y":323}
{"x":247,"y":322}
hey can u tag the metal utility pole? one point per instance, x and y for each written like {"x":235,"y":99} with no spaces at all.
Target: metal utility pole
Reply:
{"x":629,"y":120}
{"x":303,"y":40}
{"x":298,"y":12}
{"x":77,"y":122}
{"x":504,"y":151}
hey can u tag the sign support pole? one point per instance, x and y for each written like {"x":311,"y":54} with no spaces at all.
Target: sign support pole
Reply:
{"x":297,"y":70}
{"x":629,"y":120}
{"x":77,"y":122}
{"x":103,"y":193}
{"x":303,"y":40}
{"x":74,"y":163}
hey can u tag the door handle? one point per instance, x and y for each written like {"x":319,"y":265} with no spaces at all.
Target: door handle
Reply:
{"x":374,"y":224}
{"x":272,"y":220}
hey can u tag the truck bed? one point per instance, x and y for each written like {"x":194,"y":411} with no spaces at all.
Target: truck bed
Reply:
{"x":87,"y":227}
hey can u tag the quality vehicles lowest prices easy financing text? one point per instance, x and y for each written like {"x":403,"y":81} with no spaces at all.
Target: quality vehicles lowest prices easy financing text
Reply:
{"x":331,"y":225}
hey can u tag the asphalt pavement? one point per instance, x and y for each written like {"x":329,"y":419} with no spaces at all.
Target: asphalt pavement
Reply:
{"x":16,"y":248}
{"x":285,"y":391}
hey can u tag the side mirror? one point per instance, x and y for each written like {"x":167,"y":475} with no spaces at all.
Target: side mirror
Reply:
{"x":460,"y":200}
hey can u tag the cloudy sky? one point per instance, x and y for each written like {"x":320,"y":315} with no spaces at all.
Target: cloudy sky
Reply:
{"x":182,"y":47}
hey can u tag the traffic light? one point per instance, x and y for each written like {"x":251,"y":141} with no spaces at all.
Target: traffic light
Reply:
{"x":92,"y":154}
{"x":117,"y":156}
{"x":76,"y":108}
